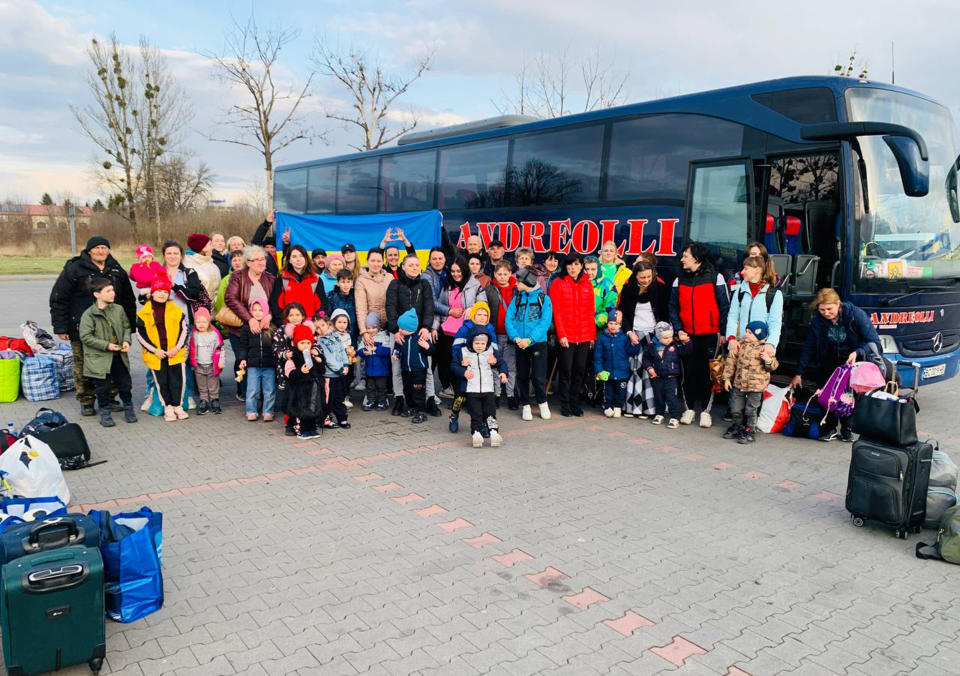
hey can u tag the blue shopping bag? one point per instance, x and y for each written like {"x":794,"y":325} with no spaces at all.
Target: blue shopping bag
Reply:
{"x":131,"y":544}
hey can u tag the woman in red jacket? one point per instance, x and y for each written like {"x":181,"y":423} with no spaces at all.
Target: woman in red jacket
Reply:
{"x":299,"y":283}
{"x":572,"y":296}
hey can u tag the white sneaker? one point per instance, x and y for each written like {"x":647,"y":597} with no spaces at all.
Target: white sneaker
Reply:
{"x":687,"y":417}
{"x":477,"y":440}
{"x":657,"y":420}
{"x":617,"y":412}
{"x":348,"y":403}
{"x":544,"y":411}
{"x":608,"y":412}
{"x":495,"y":438}
{"x":626,"y":414}
{"x":447,"y":392}
{"x":643,"y":416}
{"x":526,"y":414}
{"x":706,"y":420}
{"x":673,"y":424}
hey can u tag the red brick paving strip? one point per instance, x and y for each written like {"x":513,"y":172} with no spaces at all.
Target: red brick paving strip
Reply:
{"x":407,"y":499}
{"x":427,"y":512}
{"x":825,"y":496}
{"x":678,"y":651}
{"x":547,"y":576}
{"x":753,"y":474}
{"x":456,"y":524}
{"x":723,"y":465}
{"x":511,"y":559}
{"x":788,"y":485}
{"x":733,"y":671}
{"x":586,"y":598}
{"x":482,"y":540}
{"x":367,"y":477}
{"x":629,"y":623}
{"x":392,"y":486}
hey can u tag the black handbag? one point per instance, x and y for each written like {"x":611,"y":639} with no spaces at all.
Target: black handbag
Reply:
{"x":885,"y":420}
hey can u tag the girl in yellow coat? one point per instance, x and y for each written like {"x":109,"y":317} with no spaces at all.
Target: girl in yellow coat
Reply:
{"x":162,"y":331}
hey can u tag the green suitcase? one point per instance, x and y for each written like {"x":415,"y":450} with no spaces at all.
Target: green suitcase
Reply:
{"x":52,"y":614}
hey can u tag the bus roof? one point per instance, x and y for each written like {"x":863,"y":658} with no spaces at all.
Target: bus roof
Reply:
{"x":730,"y":103}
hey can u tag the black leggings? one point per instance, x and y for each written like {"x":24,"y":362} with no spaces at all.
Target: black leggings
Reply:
{"x":697,"y":385}
{"x":573,"y":369}
{"x":442,"y":357}
{"x":170,"y":382}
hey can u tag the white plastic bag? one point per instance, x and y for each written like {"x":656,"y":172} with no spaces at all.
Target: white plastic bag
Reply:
{"x":775,"y":409}
{"x":32,"y":471}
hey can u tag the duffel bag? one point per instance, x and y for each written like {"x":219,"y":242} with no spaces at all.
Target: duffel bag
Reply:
{"x":804,"y":420}
{"x":44,"y":420}
{"x":941,"y":489}
{"x":38,"y":379}
{"x":9,"y":380}
{"x":63,"y":358}
{"x":775,"y":409}
{"x":53,"y":531}
{"x":132,"y":547}
{"x":947,"y":546}
{"x":17,"y":344}
{"x":70,"y":446}
{"x":887,"y":418}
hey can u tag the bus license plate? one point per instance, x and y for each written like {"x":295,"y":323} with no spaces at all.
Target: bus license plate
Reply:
{"x":934,"y":371}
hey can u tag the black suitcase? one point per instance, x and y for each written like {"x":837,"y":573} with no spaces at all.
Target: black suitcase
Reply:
{"x":69,"y":444}
{"x":51,"y":532}
{"x":52,"y":613}
{"x":888,"y":484}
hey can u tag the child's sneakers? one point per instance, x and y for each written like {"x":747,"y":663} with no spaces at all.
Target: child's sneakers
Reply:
{"x":746,"y":437}
{"x":673,"y":424}
{"x":733,"y":432}
{"x":348,"y":403}
{"x":608,"y":412}
{"x":544,"y":411}
{"x":203,"y":407}
{"x":419,"y":417}
{"x":687,"y":417}
{"x":383,"y":405}
{"x":617,"y":412}
{"x":180,"y":413}
{"x":657,"y":420}
{"x":454,"y":424}
{"x":526,"y":414}
{"x":308,"y":434}
{"x":477,"y":440}
{"x":495,"y":438}
{"x":168,"y":414}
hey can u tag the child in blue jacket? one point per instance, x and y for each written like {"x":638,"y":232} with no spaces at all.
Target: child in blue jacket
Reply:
{"x":661,"y":359}
{"x":376,"y":364}
{"x":527,"y":321}
{"x":413,"y":354}
{"x":611,"y":362}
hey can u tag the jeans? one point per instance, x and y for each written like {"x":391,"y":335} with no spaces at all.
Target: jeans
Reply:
{"x":508,"y":352}
{"x":614,"y":393}
{"x":665,"y":396}
{"x":118,"y":379}
{"x":261,"y":380}
{"x":532,"y":368}
{"x":745,"y":406}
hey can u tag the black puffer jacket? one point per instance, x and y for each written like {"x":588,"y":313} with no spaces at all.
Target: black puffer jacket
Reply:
{"x":255,"y":348}
{"x":405,"y":293}
{"x":71,"y":293}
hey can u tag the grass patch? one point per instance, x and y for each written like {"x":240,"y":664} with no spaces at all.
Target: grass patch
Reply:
{"x":41,"y":265}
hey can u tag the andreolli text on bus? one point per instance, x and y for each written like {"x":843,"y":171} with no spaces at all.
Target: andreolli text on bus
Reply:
{"x":584,"y":236}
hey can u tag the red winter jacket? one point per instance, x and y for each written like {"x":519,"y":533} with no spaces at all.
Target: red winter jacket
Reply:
{"x":573,"y":308}
{"x":308,"y":291}
{"x":503,"y":294}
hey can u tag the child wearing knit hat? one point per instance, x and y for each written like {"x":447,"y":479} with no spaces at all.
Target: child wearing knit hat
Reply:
{"x":206,"y":358}
{"x":661,"y":361}
{"x":144,"y":271}
{"x":413,"y":355}
{"x":376,"y":363}
{"x":746,"y":375}
{"x":304,"y":371}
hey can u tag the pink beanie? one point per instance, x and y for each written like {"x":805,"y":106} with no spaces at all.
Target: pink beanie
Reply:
{"x":201,"y":313}
{"x":335,"y":257}
{"x":144,"y":250}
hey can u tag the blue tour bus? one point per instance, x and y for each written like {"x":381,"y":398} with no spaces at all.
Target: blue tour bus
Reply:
{"x":849,"y":184}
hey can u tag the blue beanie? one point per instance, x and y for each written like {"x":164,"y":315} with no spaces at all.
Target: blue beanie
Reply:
{"x":408,"y":320}
{"x":758,"y":329}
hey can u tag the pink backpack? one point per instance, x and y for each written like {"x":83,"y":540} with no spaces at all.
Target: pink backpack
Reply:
{"x":866,"y":376}
{"x":836,"y":396}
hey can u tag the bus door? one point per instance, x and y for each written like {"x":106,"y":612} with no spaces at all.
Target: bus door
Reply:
{"x":720,"y":210}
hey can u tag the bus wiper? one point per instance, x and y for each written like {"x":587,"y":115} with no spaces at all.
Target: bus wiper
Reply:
{"x":916,"y":289}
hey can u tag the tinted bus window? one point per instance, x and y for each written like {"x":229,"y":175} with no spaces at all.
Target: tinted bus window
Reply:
{"x":322,"y":189}
{"x":718,"y":207}
{"x":408,"y":181}
{"x":357,"y":188}
{"x":290,"y":191}
{"x":473,"y":175}
{"x":558,"y":167}
{"x":808,"y":105}
{"x":650,"y":156}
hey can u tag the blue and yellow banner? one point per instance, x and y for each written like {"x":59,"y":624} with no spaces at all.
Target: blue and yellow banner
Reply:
{"x":325,"y":231}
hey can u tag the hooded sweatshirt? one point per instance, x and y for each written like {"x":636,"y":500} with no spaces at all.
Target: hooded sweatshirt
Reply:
{"x":485,"y":375}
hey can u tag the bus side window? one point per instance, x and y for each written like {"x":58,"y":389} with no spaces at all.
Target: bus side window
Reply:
{"x":719,"y":212}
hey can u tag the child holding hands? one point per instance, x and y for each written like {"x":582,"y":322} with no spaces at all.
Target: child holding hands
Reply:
{"x":746,"y":375}
{"x":661,"y":360}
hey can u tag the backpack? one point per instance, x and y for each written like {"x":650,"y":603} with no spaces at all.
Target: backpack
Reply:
{"x":804,"y":420}
{"x":836,"y":396}
{"x":769,"y":295}
{"x":45,"y":420}
{"x":947,"y":546}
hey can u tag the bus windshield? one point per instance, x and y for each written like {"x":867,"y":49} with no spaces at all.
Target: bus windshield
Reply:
{"x":903,"y":241}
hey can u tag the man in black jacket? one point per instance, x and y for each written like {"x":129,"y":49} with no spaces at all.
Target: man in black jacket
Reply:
{"x":410,"y":290}
{"x":71,"y":295}
{"x":269,"y":243}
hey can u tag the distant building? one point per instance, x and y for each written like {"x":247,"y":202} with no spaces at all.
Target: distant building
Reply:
{"x":42,"y":217}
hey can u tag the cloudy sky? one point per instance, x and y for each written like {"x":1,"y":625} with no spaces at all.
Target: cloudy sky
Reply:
{"x":665,"y":48}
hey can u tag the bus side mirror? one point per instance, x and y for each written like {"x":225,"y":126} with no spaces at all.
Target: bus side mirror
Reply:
{"x":914,"y":170}
{"x":952,"y":197}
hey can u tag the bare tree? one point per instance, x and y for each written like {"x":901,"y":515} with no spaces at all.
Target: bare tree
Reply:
{"x":181,"y":187}
{"x":138,"y":114}
{"x":548,"y":86}
{"x":372,"y":91}
{"x":270,"y":119}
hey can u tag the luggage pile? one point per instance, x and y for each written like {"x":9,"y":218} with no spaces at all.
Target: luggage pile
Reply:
{"x":62,"y":573}
{"x":36,"y":365}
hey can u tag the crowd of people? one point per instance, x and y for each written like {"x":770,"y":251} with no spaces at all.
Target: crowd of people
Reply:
{"x":473,"y":327}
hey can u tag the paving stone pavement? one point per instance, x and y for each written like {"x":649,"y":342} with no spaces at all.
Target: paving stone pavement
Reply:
{"x":582,"y":546}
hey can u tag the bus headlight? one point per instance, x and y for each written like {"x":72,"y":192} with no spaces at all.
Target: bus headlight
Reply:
{"x":887,"y":344}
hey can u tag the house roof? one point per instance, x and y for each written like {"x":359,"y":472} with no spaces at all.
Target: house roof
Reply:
{"x":43,"y":210}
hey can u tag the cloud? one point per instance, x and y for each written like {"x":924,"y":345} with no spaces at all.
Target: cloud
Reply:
{"x":11,"y":136}
{"x":31,"y":31}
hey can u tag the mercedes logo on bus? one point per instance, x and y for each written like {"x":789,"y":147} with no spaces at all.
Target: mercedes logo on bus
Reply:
{"x":938,"y":342}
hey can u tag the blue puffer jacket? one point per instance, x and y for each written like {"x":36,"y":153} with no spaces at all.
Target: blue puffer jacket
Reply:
{"x":529,"y":315}
{"x":412,"y":356}
{"x":856,"y":329}
{"x":337,"y":300}
{"x":334,"y":354}
{"x":612,"y":353}
{"x":667,"y":366}
{"x":754,"y":309}
{"x":376,"y":362}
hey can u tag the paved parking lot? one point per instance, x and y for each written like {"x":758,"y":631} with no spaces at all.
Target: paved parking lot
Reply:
{"x":584,"y":546}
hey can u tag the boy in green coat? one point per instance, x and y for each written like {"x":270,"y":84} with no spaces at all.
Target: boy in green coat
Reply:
{"x":105,"y":335}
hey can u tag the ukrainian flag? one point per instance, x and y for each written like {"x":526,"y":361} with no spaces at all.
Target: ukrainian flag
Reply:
{"x":311,"y":231}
